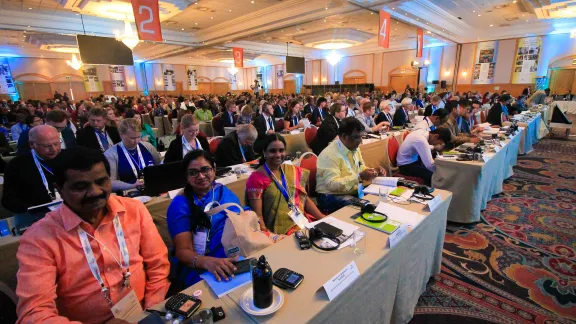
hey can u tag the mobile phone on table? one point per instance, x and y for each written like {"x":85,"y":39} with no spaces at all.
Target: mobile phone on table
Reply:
{"x":287,"y":279}
{"x":242,"y":266}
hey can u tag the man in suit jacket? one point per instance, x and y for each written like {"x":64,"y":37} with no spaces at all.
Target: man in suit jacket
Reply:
{"x":97,"y":135}
{"x":264,"y":124}
{"x":401,"y":115}
{"x":227,"y":116}
{"x":309,"y":107}
{"x":320,"y":112}
{"x":56,"y":119}
{"x":280,"y":108}
{"x":237,"y":147}
{"x":435,"y":104}
{"x":28,"y":179}
{"x":329,"y":128}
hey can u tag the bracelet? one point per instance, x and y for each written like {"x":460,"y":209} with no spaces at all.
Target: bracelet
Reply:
{"x":194,"y":261}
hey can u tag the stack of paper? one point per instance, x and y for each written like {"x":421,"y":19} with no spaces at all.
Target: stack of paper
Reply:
{"x":399,"y":214}
{"x":386,"y":181}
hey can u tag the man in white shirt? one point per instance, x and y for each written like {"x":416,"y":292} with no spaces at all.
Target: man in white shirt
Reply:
{"x":187,"y":105}
{"x":415,"y":157}
{"x":438,"y":117}
{"x":366,"y":118}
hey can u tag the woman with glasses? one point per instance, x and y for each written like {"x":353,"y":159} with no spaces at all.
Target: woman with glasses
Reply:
{"x":189,"y":141}
{"x":277,"y":192}
{"x":197,"y":236}
{"x":129,"y":157}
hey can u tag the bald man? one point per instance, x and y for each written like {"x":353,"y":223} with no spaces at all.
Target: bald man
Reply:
{"x":28,"y":180}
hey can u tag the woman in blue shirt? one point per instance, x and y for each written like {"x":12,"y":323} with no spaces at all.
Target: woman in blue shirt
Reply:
{"x":197,"y":236}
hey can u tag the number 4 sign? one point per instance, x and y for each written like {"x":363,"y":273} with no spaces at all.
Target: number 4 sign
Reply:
{"x":147,"y":16}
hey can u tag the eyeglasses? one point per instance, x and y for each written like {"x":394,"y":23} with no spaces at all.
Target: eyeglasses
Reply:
{"x":47,"y":146}
{"x":206,"y":171}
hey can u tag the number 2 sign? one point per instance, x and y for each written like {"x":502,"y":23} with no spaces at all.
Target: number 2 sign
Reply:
{"x":147,"y":16}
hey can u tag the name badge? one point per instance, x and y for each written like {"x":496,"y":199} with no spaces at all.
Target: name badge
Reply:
{"x":341,"y":280}
{"x":200,"y":242}
{"x":298,"y":217}
{"x":127,"y":306}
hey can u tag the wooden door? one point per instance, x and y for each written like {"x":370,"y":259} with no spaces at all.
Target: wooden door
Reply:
{"x":561,"y":81}
{"x":354,"y":80}
{"x":220,"y":87}
{"x":399,"y":82}
{"x":204,"y":87}
{"x":78,"y":90}
{"x":289,"y":86}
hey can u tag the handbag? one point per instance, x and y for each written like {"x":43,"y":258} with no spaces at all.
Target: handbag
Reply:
{"x":242,"y":234}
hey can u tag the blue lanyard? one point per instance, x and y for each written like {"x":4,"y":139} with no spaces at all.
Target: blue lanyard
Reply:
{"x":295,"y":120}
{"x":430,"y":127}
{"x":283,"y":188}
{"x":199,"y":202}
{"x":242,"y":151}
{"x":270,"y":123}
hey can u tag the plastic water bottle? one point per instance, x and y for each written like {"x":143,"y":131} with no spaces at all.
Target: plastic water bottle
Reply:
{"x":262,"y":284}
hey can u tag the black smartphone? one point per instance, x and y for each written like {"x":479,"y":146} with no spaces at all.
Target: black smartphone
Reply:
{"x":285,"y":278}
{"x":329,"y":229}
{"x":242,"y":266}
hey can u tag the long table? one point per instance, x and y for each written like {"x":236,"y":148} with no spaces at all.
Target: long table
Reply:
{"x":387,"y":291}
{"x":474,"y":183}
{"x":530,"y":135}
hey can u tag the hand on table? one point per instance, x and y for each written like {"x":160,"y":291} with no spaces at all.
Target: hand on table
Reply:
{"x":219,"y":267}
{"x":368,"y":174}
{"x":381,"y":171}
{"x":139,"y":182}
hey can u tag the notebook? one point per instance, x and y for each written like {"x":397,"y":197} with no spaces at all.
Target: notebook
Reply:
{"x":222,"y":288}
{"x":387,"y":227}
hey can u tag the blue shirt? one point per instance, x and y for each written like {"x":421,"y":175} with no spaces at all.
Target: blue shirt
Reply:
{"x":179,"y":221}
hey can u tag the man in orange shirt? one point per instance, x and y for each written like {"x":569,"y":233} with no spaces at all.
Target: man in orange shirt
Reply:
{"x":72,"y":268}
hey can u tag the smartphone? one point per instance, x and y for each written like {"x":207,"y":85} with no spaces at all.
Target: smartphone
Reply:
{"x":287,"y":279}
{"x":242,"y":266}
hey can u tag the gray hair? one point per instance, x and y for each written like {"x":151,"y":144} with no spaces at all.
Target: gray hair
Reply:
{"x":246,"y":132}
{"x":40,"y":131}
{"x":129,"y":124}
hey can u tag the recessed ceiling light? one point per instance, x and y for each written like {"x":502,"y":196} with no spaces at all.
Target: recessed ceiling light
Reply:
{"x":442,"y":29}
{"x":211,"y":17}
{"x":29,"y":8}
{"x":230,"y":10}
{"x":251,"y":1}
{"x":326,"y":8}
{"x":514,"y":1}
{"x":324,"y":20}
{"x":189,"y":56}
{"x":196,"y":24}
{"x":479,"y":15}
{"x":371,"y":13}
{"x":491,"y":25}
{"x":526,"y":20}
{"x":182,"y":28}
{"x":393,"y":8}
{"x":417,"y":19}
{"x":473,"y":10}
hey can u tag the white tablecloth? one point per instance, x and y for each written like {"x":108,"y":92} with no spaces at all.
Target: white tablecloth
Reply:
{"x":568,"y":107}
{"x":474,"y":183}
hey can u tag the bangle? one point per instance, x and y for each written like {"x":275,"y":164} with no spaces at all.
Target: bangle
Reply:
{"x":194,"y":261}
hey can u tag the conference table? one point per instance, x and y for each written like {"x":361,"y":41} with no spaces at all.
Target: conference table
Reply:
{"x":567,"y":107}
{"x":387,"y":290}
{"x":473,"y":183}
{"x":531,"y":133}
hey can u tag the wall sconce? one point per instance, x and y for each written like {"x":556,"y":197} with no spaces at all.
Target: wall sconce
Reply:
{"x":315,"y":80}
{"x":323,"y":79}
{"x":446,"y":73}
{"x":465,"y":73}
{"x":241,"y":83}
{"x":130,"y":82}
{"x":415,"y":63}
{"x":158,"y":82}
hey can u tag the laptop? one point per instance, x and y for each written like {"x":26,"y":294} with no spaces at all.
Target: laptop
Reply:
{"x":162,"y":178}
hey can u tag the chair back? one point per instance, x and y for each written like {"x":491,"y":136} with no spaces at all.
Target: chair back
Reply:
{"x":393,"y":147}
{"x":8,"y":302}
{"x":404,"y":135}
{"x":214,"y":142}
{"x":167,"y":126}
{"x":236,"y":118}
{"x":308,"y":161}
{"x":310,"y":134}
{"x":217,"y":126}
{"x":147,"y":120}
{"x":279,"y":125}
{"x":483,"y":117}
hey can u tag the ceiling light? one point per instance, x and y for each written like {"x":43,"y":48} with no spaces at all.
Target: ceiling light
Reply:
{"x":334,"y":45}
{"x":324,"y":20}
{"x":479,"y":15}
{"x":29,"y":8}
{"x":196,"y":24}
{"x":393,"y":8}
{"x":514,"y":1}
{"x":371,"y":13}
{"x":428,"y":32}
{"x":74,"y":63}
{"x":182,"y":28}
{"x":473,"y":10}
{"x":333,"y":58}
{"x":526,"y":20}
{"x":129,"y":38}
{"x":211,"y":17}
{"x":251,"y":1}
{"x":491,"y":25}
{"x":230,"y":10}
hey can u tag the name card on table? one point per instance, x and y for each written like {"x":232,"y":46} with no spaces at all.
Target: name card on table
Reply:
{"x":497,"y":148}
{"x":435,"y":202}
{"x":341,"y":280}
{"x":397,"y":236}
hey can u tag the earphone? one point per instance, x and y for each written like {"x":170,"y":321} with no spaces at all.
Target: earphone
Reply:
{"x":316,"y":234}
{"x":369,"y":212}
{"x":423,"y":192}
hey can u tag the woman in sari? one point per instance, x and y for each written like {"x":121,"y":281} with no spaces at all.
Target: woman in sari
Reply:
{"x":276,"y":192}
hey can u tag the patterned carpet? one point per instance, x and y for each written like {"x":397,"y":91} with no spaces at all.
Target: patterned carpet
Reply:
{"x":518,"y":265}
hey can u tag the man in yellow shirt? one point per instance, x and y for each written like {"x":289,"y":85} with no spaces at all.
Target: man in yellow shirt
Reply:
{"x":341,"y":168}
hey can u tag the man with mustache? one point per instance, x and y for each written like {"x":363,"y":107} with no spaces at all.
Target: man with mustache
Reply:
{"x":95,"y":250}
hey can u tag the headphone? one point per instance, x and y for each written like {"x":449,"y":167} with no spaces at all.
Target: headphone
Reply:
{"x":316,"y":234}
{"x":423,"y":192}
{"x":370,"y":214}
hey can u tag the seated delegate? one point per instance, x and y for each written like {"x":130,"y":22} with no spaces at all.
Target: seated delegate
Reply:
{"x":28,"y":178}
{"x":237,"y":146}
{"x":429,"y":123}
{"x":264,"y":124}
{"x":55,"y":282}
{"x":129,"y":157}
{"x":414,"y":155}
{"x":147,"y":132}
{"x":197,"y":237}
{"x":56,"y":119}
{"x":190,"y":140}
{"x":293,"y":118}
{"x":366,"y":119}
{"x":341,"y":168}
{"x":401,"y":117}
{"x":97,"y":135}
{"x":458,"y":111}
{"x":277,"y":191}
{"x":328,"y":131}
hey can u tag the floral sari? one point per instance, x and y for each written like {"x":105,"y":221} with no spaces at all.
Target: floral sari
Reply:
{"x":274,"y":206}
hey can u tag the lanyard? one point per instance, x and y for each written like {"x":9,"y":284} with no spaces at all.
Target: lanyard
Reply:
{"x":388,"y":117}
{"x":346,"y":158}
{"x":141,"y":163}
{"x":23,"y":128}
{"x":320,"y":110}
{"x":336,"y":120}
{"x":284,"y":190}
{"x":270,"y":123}
{"x":39,"y":166}
{"x":294,"y":120}
{"x":429,"y":127}
{"x":91,"y":259}
{"x":188,"y":147}
{"x":99,"y":137}
{"x":242,"y":151}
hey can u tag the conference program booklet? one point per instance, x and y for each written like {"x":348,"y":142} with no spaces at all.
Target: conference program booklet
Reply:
{"x":387,"y":227}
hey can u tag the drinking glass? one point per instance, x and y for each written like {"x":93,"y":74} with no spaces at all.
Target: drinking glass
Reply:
{"x":238,"y":172}
{"x":203,"y":316}
{"x":358,"y":242}
{"x":383,"y":192}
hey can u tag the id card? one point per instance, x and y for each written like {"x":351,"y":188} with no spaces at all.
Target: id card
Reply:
{"x":360,"y":190}
{"x":200,"y":242}
{"x":127,"y":306}
{"x":298,"y":217}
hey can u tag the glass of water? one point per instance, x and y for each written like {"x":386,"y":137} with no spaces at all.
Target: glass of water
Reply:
{"x":383,"y":193}
{"x":203,"y":316}
{"x":358,"y":242}
{"x":238,"y":172}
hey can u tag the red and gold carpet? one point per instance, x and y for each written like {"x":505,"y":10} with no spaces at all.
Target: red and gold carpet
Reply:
{"x":518,"y":265}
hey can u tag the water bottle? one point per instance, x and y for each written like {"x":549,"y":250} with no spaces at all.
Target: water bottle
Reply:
{"x":262,"y":284}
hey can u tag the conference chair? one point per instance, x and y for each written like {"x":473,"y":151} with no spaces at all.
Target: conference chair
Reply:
{"x":217,"y":125}
{"x":393,"y":147}
{"x":309,"y":135}
{"x":214,"y":142}
{"x":308,"y":161}
{"x":404,"y":135}
{"x":483,"y":116}
{"x":236,"y":118}
{"x":279,"y":125}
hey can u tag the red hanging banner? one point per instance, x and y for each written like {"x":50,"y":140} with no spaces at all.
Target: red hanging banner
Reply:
{"x":384,"y":34}
{"x":238,"y":56}
{"x":419,"y":41}
{"x":147,"y":16}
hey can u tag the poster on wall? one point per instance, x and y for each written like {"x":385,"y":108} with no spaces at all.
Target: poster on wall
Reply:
{"x":192,"y":74}
{"x":526,"y":60}
{"x":233,"y":80}
{"x":169,"y":77}
{"x":91,"y":80}
{"x":485,"y":63}
{"x":259,"y":73}
{"x":117,"y":77}
{"x":280,"y":78}
{"x":6,"y":83}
